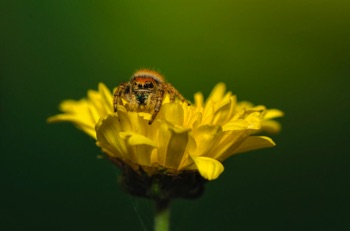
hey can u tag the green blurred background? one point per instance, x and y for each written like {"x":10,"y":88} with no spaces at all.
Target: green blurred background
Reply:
{"x":292,"y":55}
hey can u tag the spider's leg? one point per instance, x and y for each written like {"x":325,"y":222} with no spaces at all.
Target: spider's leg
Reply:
{"x":149,"y":101}
{"x":173,"y":93}
{"x":159,"y":100}
{"x":119,"y":92}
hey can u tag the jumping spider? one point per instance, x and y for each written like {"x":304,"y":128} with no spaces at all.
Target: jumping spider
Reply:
{"x":145,"y":90}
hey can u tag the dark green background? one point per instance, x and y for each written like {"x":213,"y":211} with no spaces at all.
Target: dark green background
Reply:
{"x":292,"y":55}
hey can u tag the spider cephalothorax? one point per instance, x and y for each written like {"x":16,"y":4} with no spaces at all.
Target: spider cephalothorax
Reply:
{"x":145,"y":90}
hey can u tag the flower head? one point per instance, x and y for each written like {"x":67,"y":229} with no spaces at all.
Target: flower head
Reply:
{"x":182,"y":138}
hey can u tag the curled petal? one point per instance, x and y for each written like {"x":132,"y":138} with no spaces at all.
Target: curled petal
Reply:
{"x":209,"y":168}
{"x":139,"y":148}
{"x":135,"y":139}
{"x":107,"y":132}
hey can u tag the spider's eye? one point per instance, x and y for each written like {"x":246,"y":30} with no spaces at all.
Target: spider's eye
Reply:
{"x":148,"y":85}
{"x":140,"y":85}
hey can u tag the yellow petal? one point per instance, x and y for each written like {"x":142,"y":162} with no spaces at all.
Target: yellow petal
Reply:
{"x":176,"y":147}
{"x":217,"y":92}
{"x":85,"y":113}
{"x":137,"y":139}
{"x":173,"y":113}
{"x":224,"y":111}
{"x":134,"y":121}
{"x":255,"y":142}
{"x":76,"y":112}
{"x":139,"y":148}
{"x":254,"y":121}
{"x":270,"y":126}
{"x":107,"y":98}
{"x":198,"y":99}
{"x":227,"y":142}
{"x":95,"y":107}
{"x":235,"y":125}
{"x":206,"y":136}
{"x":251,"y":122}
{"x":273,"y":113}
{"x":107,"y":131}
{"x":173,"y":142}
{"x":209,"y":168}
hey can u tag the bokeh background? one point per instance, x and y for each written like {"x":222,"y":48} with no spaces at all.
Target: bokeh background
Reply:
{"x":293,"y":55}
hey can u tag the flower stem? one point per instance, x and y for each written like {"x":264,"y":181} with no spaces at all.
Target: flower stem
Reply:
{"x":162,"y":216}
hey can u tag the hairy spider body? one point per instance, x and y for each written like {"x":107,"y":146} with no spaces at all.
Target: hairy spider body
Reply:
{"x":145,"y":90}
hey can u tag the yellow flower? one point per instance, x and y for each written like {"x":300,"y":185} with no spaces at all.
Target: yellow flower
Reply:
{"x":182,"y":138}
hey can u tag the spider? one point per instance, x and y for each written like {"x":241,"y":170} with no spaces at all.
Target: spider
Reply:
{"x":145,"y":90}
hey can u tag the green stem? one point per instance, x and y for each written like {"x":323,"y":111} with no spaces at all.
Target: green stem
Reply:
{"x":162,"y":216}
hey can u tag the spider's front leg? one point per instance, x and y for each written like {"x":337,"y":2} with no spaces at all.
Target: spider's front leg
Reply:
{"x":118,"y":94}
{"x":158,"y":104}
{"x":150,"y":102}
{"x":173,"y":93}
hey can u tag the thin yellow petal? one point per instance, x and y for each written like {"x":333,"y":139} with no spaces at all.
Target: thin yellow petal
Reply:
{"x":273,"y":113}
{"x":223,"y":111}
{"x":217,"y":92}
{"x":227,"y":141}
{"x":106,"y":97}
{"x":95,"y":107}
{"x":76,"y":112}
{"x":209,"y":168}
{"x":255,"y":142}
{"x":198,"y":99}
{"x":270,"y":126}
{"x":88,"y":128}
